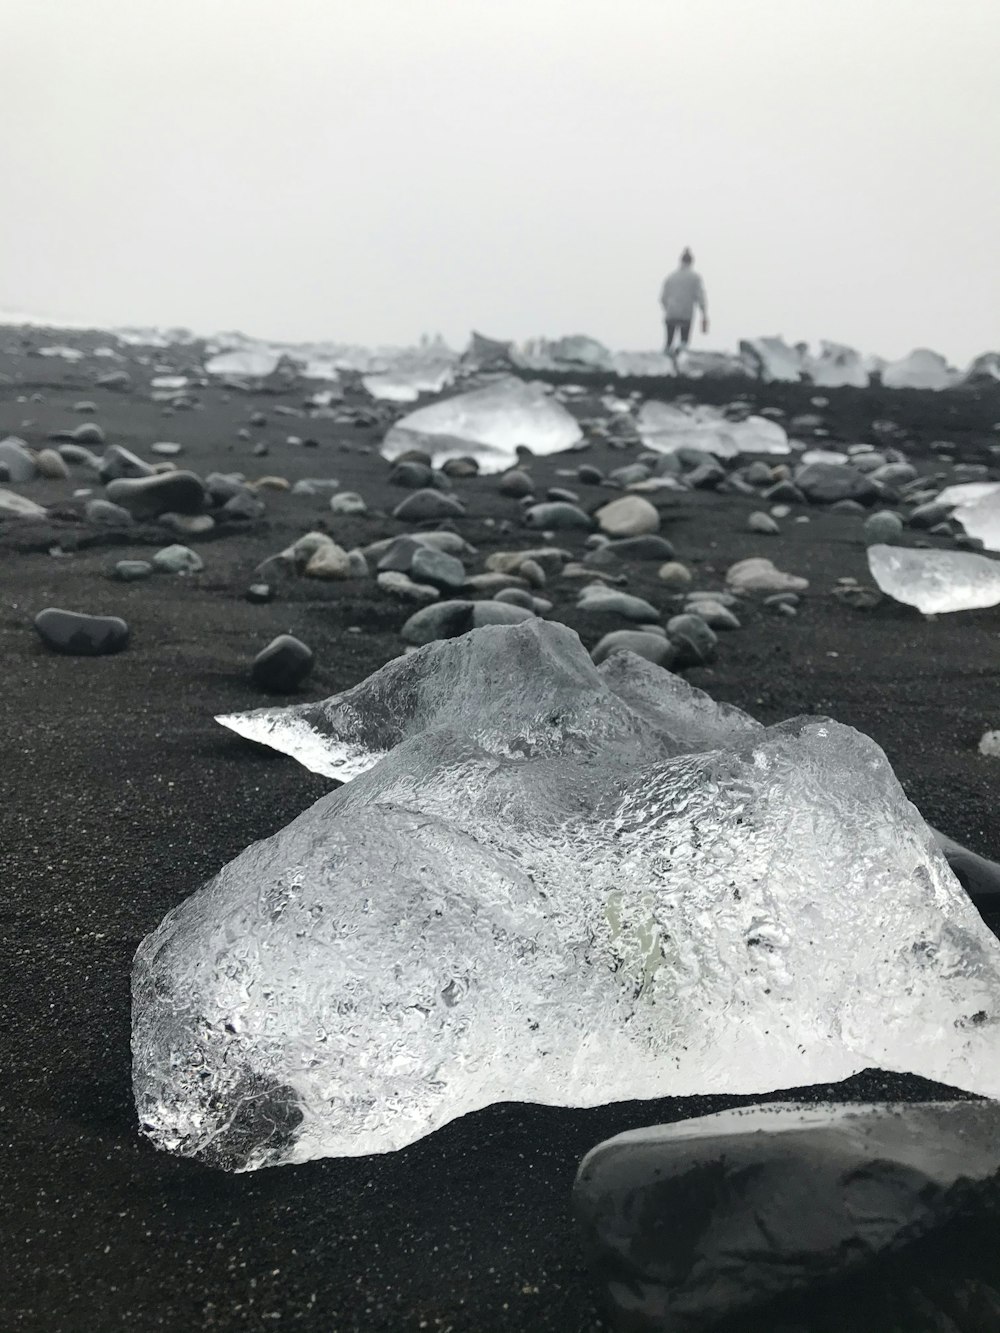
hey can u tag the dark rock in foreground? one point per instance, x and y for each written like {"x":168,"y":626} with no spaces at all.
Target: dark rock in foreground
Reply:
{"x":283,"y":665}
{"x":81,"y":635}
{"x":716,"y":1223}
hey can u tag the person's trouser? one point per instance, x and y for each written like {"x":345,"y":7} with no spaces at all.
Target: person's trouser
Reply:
{"x":678,"y":326}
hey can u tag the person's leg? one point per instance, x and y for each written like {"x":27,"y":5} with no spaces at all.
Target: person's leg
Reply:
{"x":672,"y":328}
{"x":684,"y":328}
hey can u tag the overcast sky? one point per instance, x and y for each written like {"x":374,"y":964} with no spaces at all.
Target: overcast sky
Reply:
{"x":365,"y":170}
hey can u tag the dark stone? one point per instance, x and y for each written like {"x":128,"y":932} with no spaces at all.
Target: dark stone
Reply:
{"x":282,"y":666}
{"x":437,"y":568}
{"x":646,"y":547}
{"x":222,"y":486}
{"x":826,"y":483}
{"x":979,"y":877}
{"x":929,"y":515}
{"x":784,"y":492}
{"x":655,"y":648}
{"x":694,"y":640}
{"x":104,"y":513}
{"x":81,"y":635}
{"x":415,"y":476}
{"x":166,"y":493}
{"x":16,"y":461}
{"x":516,"y":484}
{"x":400,"y":555}
{"x":706,"y":477}
{"x":118,"y":462}
{"x":498,"y":613}
{"x":559,"y":494}
{"x":460,"y":467}
{"x":589,"y":475}
{"x":558,"y":516}
{"x":847,"y":507}
{"x":760,"y":1218}
{"x":426,"y":505}
{"x":413,"y":456}
{"x":245,"y":507}
{"x":441,"y":620}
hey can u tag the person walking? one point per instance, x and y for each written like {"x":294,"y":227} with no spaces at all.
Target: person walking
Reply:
{"x":681,"y":294}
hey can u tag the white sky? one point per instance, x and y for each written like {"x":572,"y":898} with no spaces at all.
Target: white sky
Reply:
{"x":367,"y":170}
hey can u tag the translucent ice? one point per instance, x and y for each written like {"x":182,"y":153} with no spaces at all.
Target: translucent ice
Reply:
{"x":936,"y":581}
{"x":561,"y":884}
{"x":248,"y":363}
{"x":406,"y":383}
{"x":966,"y":492}
{"x":772,"y":359}
{"x":837,"y":366}
{"x":667,"y":428}
{"x":488,"y":423}
{"x":922,"y":369}
{"x":981,"y":517}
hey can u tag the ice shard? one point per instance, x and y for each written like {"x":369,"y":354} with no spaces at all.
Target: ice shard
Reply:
{"x":488,"y":423}
{"x":405,"y":383}
{"x":244,"y":363}
{"x":922,"y":369}
{"x":561,"y":884}
{"x":936,"y":581}
{"x":837,"y":367}
{"x":772,"y":360}
{"x":667,"y":428}
{"x":980,"y":517}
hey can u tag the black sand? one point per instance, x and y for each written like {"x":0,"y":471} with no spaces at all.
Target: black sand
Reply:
{"x":119,"y":794}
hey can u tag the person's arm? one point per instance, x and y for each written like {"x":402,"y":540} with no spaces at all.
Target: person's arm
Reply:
{"x":702,"y":300}
{"x":664,"y":292}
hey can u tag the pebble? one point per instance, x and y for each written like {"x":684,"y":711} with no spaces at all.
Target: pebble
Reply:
{"x":631,"y":516}
{"x":460,"y":467}
{"x":714,"y":614}
{"x":77,"y":455}
{"x":243,"y":507}
{"x":557,"y":493}
{"x":759,"y":575}
{"x":589,"y":475}
{"x":761,"y":522}
{"x":693,"y":639}
{"x":147,"y":497}
{"x":17,"y":461}
{"x":989,"y":744}
{"x":272,"y":484}
{"x":13,"y":505}
{"x":674,"y":575}
{"x":398,"y":584}
{"x":166,"y":449}
{"x":178,"y":560}
{"x":492,"y":582}
{"x":414,"y":475}
{"x":188,"y":525}
{"x":104,"y":513}
{"x":883,"y":528}
{"x":516,"y":484}
{"x":85,"y":406}
{"x":558,"y":517}
{"x":498,"y":613}
{"x":437,"y":568}
{"x":929,"y":515}
{"x":706,"y":477}
{"x":51,"y":465}
{"x":283,"y":665}
{"x":443,"y":620}
{"x":607,"y":601}
{"x":655,"y":648}
{"x":425,"y":505}
{"x":314,"y":485}
{"x":81,"y":635}
{"x":826,"y":483}
{"x":131,"y":571}
{"x":261,"y":592}
{"x":114,"y":379}
{"x":328,"y":561}
{"x":88,"y":432}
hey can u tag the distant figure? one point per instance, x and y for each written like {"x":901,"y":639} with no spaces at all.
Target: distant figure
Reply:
{"x":682,"y":292}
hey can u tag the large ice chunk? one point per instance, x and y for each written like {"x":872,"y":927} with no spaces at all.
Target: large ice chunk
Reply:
{"x":980,"y":517}
{"x":922,"y":369}
{"x":668,"y":428}
{"x":488,"y":423}
{"x":558,"y":884}
{"x":836,"y":367}
{"x":936,"y":581}
{"x":405,"y":383}
{"x":772,"y":360}
{"x":244,"y":363}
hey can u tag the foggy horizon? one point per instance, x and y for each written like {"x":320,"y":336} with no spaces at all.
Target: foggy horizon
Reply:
{"x":368,"y":174}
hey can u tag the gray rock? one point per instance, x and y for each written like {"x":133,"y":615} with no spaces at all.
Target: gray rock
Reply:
{"x":132,"y":571}
{"x":460,"y":467}
{"x":103,"y":513}
{"x":516,"y":484}
{"x":398,"y":584}
{"x":348,"y":501}
{"x":883,"y":528}
{"x":147,"y":497}
{"x":759,"y":575}
{"x":516,"y":597}
{"x":847,"y":507}
{"x":13,"y":505}
{"x":870,"y":461}
{"x":826,"y":483}
{"x":85,"y":406}
{"x":655,"y":648}
{"x":187,"y":525}
{"x":631,"y":516}
{"x":166,"y":449}
{"x":764,"y":523}
{"x":80,"y":635}
{"x":714,"y":614}
{"x":929,"y":515}
{"x":601,"y":600}
{"x":675,"y":575}
{"x":77,"y":455}
{"x":724,"y":1221}
{"x":694,"y":640}
{"x":315,"y":485}
{"x":630,"y":474}
{"x":423,"y":506}
{"x":560,"y":493}
{"x":399,"y":556}
{"x":558,"y":517}
{"x":894,"y":474}
{"x":114,"y":379}
{"x":589,"y":475}
{"x":244,"y":507}
{"x":784,"y":492}
{"x":282,"y":666}
{"x":16,"y":460}
{"x":222,"y":486}
{"x":437,"y":568}
{"x":758,"y":474}
{"x":88,"y":432}
{"x":178,"y":560}
{"x":706,"y":477}
{"x":498,"y":613}
{"x":443,"y":620}
{"x":51,"y":465}
{"x":416,"y":476}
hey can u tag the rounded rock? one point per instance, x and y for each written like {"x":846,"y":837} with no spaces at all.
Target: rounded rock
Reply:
{"x":80,"y":635}
{"x":631,"y":516}
{"x":283,"y":665}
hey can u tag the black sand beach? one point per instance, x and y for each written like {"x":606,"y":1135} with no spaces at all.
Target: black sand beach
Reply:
{"x":120,"y":794}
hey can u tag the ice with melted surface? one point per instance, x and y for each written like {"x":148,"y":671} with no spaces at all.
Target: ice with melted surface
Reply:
{"x":554,"y":883}
{"x":936,"y":581}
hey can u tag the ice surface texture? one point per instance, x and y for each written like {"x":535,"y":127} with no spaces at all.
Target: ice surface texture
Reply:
{"x":667,"y":428}
{"x":936,"y":581}
{"x":488,"y":423}
{"x":555,"y":883}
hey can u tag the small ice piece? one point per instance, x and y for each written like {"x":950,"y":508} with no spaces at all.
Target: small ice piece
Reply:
{"x":244,"y":363}
{"x":559,"y":884}
{"x":666,"y":429}
{"x":169,"y":382}
{"x":922,"y":369}
{"x":989,"y":744}
{"x":836,"y":367}
{"x":967,"y":492}
{"x":700,"y":363}
{"x":823,"y":456}
{"x":64,"y":353}
{"x":406,"y":384}
{"x":984,"y":369}
{"x":936,"y":581}
{"x":644,"y":363}
{"x":489,"y":424}
{"x":981,"y":517}
{"x":772,"y":360}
